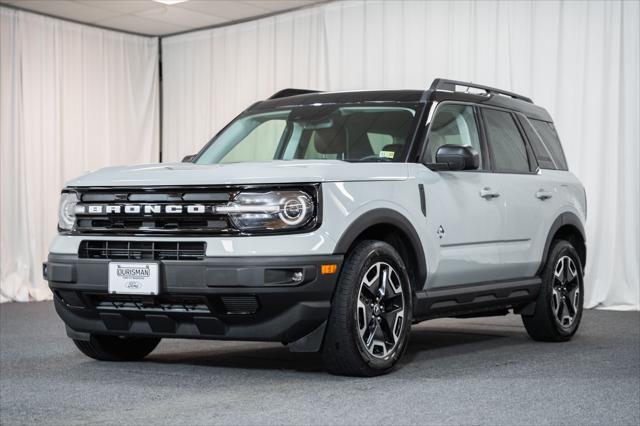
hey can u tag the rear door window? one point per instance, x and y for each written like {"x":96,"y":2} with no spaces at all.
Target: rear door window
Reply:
{"x":506,"y":142}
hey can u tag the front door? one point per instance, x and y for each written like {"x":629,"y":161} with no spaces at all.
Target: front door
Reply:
{"x":465,"y":211}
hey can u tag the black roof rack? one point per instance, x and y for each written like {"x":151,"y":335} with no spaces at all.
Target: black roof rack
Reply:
{"x":285,"y":93}
{"x":450,"y":85}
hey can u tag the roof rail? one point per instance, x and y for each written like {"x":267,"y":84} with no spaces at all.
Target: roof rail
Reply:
{"x":285,"y":93}
{"x":450,"y":85}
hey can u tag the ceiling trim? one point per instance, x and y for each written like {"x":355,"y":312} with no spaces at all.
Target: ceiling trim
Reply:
{"x":73,"y":21}
{"x":161,"y":36}
{"x":243,"y":20}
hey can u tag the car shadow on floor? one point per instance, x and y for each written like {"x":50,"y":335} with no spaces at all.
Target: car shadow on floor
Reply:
{"x":434,"y":344}
{"x":425,"y":344}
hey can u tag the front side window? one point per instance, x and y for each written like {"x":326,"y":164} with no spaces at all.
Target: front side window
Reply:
{"x":508,"y":147}
{"x":453,"y":124}
{"x":317,"y":132}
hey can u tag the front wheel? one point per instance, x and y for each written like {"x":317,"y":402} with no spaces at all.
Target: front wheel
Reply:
{"x":558,"y":309}
{"x":116,"y":348}
{"x":370,"y":319}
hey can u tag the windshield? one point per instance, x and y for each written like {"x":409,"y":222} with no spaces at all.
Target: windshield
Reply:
{"x":316,"y":132}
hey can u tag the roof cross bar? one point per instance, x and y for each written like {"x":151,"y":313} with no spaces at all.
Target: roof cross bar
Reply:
{"x":285,"y":93}
{"x":450,"y":85}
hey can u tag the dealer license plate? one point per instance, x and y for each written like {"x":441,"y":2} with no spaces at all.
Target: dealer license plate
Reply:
{"x":133,"y":278}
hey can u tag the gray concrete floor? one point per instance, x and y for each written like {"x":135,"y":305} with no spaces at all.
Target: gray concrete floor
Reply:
{"x":474,"y":371}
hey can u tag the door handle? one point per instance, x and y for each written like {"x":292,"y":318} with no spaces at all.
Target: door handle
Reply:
{"x":489,"y":193}
{"x":543,"y":195}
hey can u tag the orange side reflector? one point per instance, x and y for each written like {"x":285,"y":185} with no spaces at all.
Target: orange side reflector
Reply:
{"x":328,"y":269}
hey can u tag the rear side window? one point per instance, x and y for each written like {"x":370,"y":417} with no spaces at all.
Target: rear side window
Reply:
{"x":549,"y":136}
{"x":509,"y":149}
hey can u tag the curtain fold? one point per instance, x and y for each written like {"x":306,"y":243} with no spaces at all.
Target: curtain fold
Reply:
{"x":578,"y":59}
{"x":73,"y":98}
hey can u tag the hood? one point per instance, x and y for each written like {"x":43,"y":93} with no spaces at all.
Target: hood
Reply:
{"x":278,"y":171}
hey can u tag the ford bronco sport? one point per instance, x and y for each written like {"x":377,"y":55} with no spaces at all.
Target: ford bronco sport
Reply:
{"x":332,"y":222}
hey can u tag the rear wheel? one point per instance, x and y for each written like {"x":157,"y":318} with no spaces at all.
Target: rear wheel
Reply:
{"x":558,"y":308}
{"x":116,"y":348}
{"x":370,"y":318}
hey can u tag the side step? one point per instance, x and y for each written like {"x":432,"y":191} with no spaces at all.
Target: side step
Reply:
{"x":479,"y":299}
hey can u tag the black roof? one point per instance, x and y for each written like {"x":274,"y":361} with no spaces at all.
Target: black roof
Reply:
{"x":356,"y":96}
{"x":528,"y":109}
{"x":440,"y":90}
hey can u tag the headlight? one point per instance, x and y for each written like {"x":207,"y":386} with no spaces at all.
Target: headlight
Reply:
{"x":66,"y":212}
{"x":273,"y":210}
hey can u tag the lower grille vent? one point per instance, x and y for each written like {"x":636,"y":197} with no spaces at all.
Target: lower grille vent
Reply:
{"x":167,"y":304}
{"x":142,"y":250}
{"x":240,"y":305}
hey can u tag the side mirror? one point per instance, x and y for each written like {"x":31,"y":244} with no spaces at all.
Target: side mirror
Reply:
{"x":188,"y":158}
{"x":457,"y":157}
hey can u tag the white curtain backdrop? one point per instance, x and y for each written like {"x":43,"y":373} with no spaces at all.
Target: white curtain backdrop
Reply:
{"x":578,"y":59}
{"x":73,"y":98}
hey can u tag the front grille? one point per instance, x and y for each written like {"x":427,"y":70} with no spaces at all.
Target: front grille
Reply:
{"x":144,"y":210}
{"x":189,"y":210}
{"x":142,"y":250}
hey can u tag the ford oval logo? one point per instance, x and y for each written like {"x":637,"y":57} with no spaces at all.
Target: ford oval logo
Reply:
{"x":133,"y":285}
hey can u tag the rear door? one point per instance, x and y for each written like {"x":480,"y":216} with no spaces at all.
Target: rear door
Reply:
{"x":528,"y":198}
{"x":464,"y":208}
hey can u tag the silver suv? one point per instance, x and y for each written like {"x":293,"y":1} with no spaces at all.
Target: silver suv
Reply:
{"x":330,"y":221}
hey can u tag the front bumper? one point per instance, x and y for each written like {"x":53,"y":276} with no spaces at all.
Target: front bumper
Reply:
{"x":252,"y":298}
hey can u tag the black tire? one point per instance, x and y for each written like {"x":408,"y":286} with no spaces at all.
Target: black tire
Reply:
{"x":116,"y":348}
{"x":344,"y":350}
{"x":545,"y":324}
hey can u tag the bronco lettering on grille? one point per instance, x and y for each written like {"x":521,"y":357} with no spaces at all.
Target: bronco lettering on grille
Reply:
{"x":105,"y":209}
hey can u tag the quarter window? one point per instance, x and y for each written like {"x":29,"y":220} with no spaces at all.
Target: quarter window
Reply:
{"x":453,"y":125}
{"x":540,"y":150}
{"x":550,"y":138}
{"x":508,"y":147}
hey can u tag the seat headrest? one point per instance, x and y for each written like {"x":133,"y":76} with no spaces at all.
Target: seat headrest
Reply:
{"x":330,"y":140}
{"x":443,"y":119}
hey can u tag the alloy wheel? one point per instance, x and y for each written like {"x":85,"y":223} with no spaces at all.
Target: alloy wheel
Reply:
{"x":380,"y":310}
{"x":565,"y":292}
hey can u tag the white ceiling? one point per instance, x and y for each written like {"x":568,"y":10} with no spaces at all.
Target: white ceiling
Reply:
{"x":152,"y":18}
